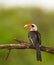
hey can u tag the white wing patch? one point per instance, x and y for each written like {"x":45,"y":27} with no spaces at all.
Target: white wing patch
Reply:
{"x":32,"y":42}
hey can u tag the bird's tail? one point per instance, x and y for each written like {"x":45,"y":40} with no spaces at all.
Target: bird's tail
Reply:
{"x":38,"y":52}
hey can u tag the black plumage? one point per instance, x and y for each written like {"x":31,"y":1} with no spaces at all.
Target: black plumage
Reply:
{"x":35,"y":40}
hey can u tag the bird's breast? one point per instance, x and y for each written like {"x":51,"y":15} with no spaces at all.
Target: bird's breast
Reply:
{"x":32,"y":34}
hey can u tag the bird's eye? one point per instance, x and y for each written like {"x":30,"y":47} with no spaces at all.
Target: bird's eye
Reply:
{"x":32,"y":25}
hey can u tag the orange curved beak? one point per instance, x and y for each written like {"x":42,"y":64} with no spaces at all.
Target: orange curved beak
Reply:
{"x":28,"y":26}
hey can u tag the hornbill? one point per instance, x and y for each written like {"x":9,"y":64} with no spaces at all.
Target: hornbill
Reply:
{"x":35,"y":39}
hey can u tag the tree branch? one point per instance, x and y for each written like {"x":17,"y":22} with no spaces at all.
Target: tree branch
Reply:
{"x":25,"y":45}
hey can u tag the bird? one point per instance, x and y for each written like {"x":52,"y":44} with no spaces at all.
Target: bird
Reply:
{"x":35,"y":39}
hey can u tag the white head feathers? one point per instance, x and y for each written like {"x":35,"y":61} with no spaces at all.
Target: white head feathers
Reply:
{"x":34,"y":28}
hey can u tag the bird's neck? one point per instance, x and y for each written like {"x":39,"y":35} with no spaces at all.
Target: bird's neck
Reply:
{"x":33,"y":29}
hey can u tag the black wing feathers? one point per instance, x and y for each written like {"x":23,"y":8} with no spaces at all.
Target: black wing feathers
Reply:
{"x":35,"y":39}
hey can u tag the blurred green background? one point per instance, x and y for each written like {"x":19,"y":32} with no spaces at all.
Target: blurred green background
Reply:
{"x":12,"y":21}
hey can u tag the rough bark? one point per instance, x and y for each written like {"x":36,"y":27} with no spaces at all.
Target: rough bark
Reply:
{"x":25,"y":45}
